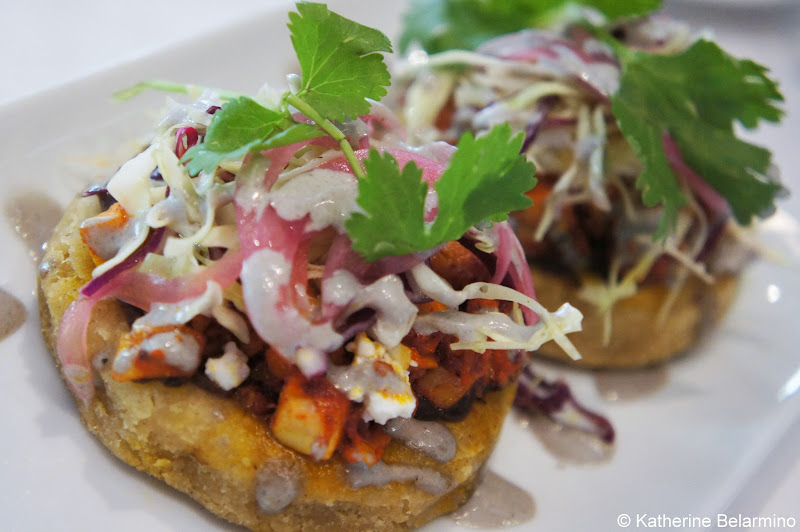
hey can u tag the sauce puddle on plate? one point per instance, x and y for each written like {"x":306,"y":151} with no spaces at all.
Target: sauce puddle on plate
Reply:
{"x":569,"y":445}
{"x":496,"y":503}
{"x":12,"y":314}
{"x":630,"y":385}
{"x":33,"y":216}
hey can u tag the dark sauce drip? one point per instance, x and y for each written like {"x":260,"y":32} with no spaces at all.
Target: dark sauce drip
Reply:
{"x":12,"y":314}
{"x":33,"y":216}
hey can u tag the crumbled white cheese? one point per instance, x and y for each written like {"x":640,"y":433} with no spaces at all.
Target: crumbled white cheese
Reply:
{"x":377,"y":379}
{"x":229,"y":370}
{"x":179,"y":349}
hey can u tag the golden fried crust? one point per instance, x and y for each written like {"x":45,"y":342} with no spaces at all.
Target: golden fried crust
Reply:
{"x":636,"y":338}
{"x":209,"y":447}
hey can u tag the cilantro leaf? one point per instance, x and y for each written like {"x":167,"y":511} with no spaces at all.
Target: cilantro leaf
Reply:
{"x":238,"y":125}
{"x":486,"y":178}
{"x":340,"y":61}
{"x":696,"y":96}
{"x":241,"y":126}
{"x":439,"y":25}
{"x":394,"y":203}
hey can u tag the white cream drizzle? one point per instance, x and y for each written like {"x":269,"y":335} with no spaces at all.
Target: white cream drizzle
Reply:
{"x":265,"y":275}
{"x":176,"y":176}
{"x":170,"y":212}
{"x":277,"y":485}
{"x":431,"y":438}
{"x":181,"y":349}
{"x":436,"y":287}
{"x":386,"y":296}
{"x":161,"y":314}
{"x":137,"y":232}
{"x":327,"y":196}
{"x":426,"y":479}
{"x":496,"y":330}
{"x":106,"y":241}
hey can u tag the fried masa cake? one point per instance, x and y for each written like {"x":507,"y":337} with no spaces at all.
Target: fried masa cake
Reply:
{"x":218,"y":446}
{"x":222,"y":328}
{"x":211,"y":447}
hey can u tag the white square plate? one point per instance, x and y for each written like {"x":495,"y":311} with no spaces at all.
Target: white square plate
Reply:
{"x":692,"y":437}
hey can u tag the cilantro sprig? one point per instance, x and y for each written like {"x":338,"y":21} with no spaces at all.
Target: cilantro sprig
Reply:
{"x":342,"y":69}
{"x":340,"y":62}
{"x":486,"y":178}
{"x":241,"y":126}
{"x":695,"y":97}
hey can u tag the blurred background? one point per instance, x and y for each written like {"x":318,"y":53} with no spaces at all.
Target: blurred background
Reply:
{"x":45,"y":43}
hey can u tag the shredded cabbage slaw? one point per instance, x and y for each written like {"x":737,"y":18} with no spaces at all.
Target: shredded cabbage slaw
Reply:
{"x":259,"y":246}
